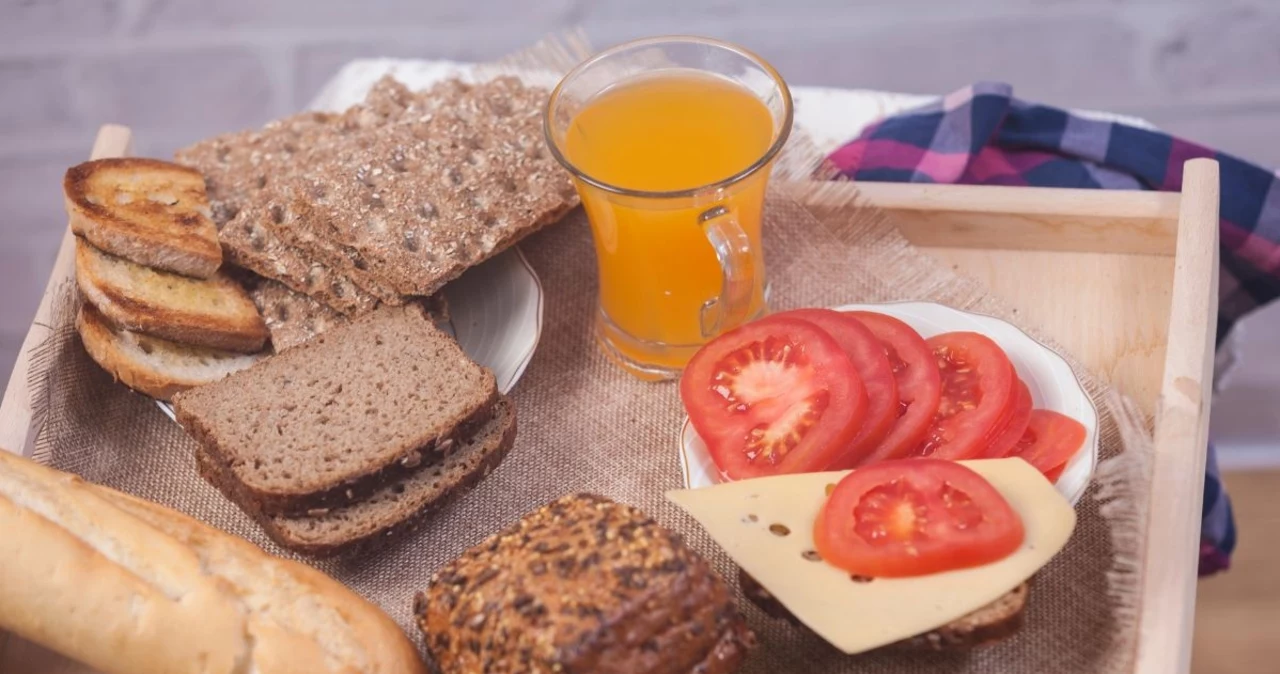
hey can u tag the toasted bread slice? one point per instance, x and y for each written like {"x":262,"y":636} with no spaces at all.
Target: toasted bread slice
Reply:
{"x":213,"y":312}
{"x":151,"y":212}
{"x":150,"y":365}
{"x":998,"y":620}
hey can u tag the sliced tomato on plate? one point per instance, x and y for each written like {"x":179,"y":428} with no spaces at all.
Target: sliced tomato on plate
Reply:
{"x":773,"y":397}
{"x":913,"y":517}
{"x":919,"y":387}
{"x":977,"y":386}
{"x":869,"y":359}
{"x":1056,"y":473}
{"x":1014,"y":425}
{"x":1051,"y":439}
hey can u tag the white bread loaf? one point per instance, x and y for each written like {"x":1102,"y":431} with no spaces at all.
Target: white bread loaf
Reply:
{"x":130,"y":587}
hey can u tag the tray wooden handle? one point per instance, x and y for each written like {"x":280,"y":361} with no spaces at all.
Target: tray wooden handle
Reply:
{"x":1182,"y":432}
{"x":16,"y":432}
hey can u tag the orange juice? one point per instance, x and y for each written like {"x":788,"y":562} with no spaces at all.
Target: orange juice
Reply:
{"x":665,"y":132}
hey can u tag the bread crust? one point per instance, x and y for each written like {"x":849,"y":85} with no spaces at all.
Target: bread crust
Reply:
{"x":170,"y":594}
{"x":178,"y":237}
{"x":178,"y":321}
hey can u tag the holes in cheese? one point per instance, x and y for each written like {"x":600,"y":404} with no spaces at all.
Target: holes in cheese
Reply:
{"x":859,"y":616}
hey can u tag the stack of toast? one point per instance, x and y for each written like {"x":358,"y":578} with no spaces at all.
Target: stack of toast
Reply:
{"x":353,"y":435}
{"x":159,"y":313}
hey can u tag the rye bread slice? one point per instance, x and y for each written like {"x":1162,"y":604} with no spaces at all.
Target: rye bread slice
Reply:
{"x":333,"y":420}
{"x":390,"y":511}
{"x":994,"y":622}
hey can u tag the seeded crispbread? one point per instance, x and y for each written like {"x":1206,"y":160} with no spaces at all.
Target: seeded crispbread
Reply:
{"x":429,"y":184}
{"x":294,"y":318}
{"x":331,"y":421}
{"x":390,"y":511}
{"x":238,"y":167}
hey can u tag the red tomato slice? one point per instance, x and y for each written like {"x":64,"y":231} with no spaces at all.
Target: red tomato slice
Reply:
{"x":914,"y":517}
{"x":869,"y":359}
{"x":977,"y":385}
{"x":919,"y":386}
{"x":773,"y":397}
{"x":1051,"y":439}
{"x":1016,"y":419}
{"x":1056,"y":473}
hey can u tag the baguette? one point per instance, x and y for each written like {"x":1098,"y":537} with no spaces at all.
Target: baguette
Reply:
{"x":130,"y":587}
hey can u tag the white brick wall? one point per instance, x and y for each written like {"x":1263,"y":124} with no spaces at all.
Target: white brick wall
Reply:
{"x":177,"y":70}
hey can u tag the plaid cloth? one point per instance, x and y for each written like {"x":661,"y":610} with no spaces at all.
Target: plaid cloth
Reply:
{"x":981,"y":135}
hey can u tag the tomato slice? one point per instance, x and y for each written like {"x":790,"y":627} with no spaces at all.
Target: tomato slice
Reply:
{"x":1051,"y":439}
{"x":914,"y":517}
{"x":919,"y":387}
{"x":977,"y":386}
{"x":1056,"y":473}
{"x":772,"y":397}
{"x":869,"y":359}
{"x":1016,"y":419}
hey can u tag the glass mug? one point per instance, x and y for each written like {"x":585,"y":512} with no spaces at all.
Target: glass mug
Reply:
{"x":670,"y":142}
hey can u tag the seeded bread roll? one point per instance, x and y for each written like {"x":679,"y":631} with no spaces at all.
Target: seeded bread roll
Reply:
{"x":582,"y":584}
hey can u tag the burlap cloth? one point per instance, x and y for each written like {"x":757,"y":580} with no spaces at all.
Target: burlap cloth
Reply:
{"x":585,"y":425}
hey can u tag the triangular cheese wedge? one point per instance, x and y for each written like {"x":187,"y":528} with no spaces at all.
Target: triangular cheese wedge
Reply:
{"x":746,"y":518}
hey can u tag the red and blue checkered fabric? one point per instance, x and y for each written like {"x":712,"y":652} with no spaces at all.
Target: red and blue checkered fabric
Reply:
{"x":982,"y":135}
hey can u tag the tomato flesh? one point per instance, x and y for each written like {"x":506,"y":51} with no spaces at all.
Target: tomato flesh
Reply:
{"x":773,"y":397}
{"x":915,"y":517}
{"x":918,"y":384}
{"x":1014,"y":425}
{"x":1049,"y":442}
{"x":869,"y":359}
{"x":977,"y":386}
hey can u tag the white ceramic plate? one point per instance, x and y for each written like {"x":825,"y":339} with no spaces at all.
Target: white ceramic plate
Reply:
{"x":495,"y":312}
{"x":1053,"y":387}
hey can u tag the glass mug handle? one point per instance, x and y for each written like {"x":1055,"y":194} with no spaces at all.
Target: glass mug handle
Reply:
{"x":733,"y":251}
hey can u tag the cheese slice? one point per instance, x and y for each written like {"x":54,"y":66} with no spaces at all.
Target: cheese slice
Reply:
{"x":747,"y":519}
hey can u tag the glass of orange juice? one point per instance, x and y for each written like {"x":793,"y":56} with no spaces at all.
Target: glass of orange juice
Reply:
{"x":670,"y":141}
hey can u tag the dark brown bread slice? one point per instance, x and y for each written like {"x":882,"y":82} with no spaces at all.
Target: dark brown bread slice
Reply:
{"x":998,"y":620}
{"x":330,"y":422}
{"x":390,"y":511}
{"x":582,"y":584}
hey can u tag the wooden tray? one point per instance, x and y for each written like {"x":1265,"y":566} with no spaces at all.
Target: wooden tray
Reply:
{"x":1127,"y":281}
